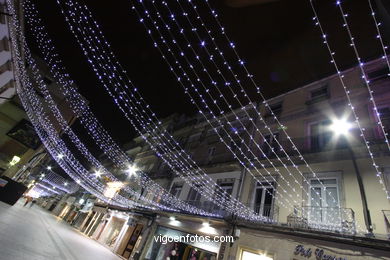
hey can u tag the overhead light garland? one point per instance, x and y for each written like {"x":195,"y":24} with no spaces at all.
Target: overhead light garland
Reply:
{"x":148,"y":184}
{"x":347,"y":93}
{"x":151,"y":122}
{"x":194,"y":30}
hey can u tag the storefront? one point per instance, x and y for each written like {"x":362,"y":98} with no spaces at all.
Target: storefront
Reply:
{"x":119,"y":231}
{"x":185,"y":238}
{"x":262,"y":245}
{"x":180,"y":250}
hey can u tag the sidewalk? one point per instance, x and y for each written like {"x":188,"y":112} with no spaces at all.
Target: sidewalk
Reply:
{"x":33,"y":233}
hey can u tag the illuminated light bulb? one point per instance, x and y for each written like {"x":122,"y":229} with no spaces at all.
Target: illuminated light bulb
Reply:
{"x":131,"y":170}
{"x":340,"y":126}
{"x":98,"y":173}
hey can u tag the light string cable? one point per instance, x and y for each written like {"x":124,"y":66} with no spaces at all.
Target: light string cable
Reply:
{"x":378,"y":24}
{"x":59,"y":182}
{"x":240,"y":61}
{"x":62,"y":122}
{"x":269,"y":129}
{"x":36,"y":115}
{"x":172,"y":16}
{"x":81,"y":108}
{"x":364,"y":74}
{"x":347,"y":92}
{"x":73,"y":137}
{"x":242,"y":65}
{"x":203,"y":178}
{"x":164,"y":41}
{"x":81,"y":15}
{"x":214,"y":117}
{"x":220,"y":95}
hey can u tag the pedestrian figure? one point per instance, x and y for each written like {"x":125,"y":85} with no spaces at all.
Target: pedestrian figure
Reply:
{"x":28,"y":199}
{"x":32,"y":203}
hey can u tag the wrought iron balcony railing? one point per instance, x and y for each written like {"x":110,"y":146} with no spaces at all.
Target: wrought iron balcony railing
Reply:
{"x":334,"y":219}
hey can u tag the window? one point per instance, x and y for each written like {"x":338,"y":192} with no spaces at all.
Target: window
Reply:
{"x":263,"y":199}
{"x":194,"y":196}
{"x":176,"y":189}
{"x":211,"y":151}
{"x":318,"y":94}
{"x":246,"y":254}
{"x":324,"y":201}
{"x":226,"y":185}
{"x":320,"y":135}
{"x":271,"y":139}
{"x":384,"y":114}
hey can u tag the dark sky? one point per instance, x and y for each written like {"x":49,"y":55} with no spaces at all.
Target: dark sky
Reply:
{"x":278,"y":42}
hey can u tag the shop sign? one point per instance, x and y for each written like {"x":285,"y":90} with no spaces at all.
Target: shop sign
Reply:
{"x":317,"y":254}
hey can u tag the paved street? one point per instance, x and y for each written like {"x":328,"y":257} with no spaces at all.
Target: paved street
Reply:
{"x":33,"y":233}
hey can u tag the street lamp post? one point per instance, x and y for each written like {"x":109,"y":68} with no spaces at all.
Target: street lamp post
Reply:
{"x":342,"y":127}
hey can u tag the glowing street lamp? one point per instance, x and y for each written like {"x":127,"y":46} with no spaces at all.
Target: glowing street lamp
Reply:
{"x":340,"y":127}
{"x":49,"y":168}
{"x":131,"y":170}
{"x":60,"y":156}
{"x":98,"y":173}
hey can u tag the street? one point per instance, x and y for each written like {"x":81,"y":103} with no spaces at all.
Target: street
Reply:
{"x":33,"y":233}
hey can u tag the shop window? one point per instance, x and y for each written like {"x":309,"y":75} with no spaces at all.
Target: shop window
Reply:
{"x":263,"y":199}
{"x":246,"y":254}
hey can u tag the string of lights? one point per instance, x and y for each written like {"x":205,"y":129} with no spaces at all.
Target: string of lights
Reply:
{"x":90,"y":45}
{"x":36,"y":115}
{"x":142,"y":20}
{"x":232,"y":47}
{"x":83,"y":15}
{"x":379,"y":35}
{"x":348,"y":92}
{"x":87,"y":116}
{"x":216,"y":118}
{"x":188,"y":44}
{"x":363,"y":72}
{"x":181,"y":30}
{"x":206,"y":179}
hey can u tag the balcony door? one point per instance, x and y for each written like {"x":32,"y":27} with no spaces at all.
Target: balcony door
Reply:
{"x":263,"y":199}
{"x":324,"y":203}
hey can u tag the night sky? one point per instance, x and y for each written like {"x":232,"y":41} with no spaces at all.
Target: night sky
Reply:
{"x":278,"y":41}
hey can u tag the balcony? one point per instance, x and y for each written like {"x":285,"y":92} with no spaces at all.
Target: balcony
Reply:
{"x":333,"y":219}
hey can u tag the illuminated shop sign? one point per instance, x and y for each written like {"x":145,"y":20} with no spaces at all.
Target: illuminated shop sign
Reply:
{"x":318,"y":253}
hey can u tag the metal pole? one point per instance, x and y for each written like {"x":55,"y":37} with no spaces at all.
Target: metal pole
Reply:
{"x":366,"y":212}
